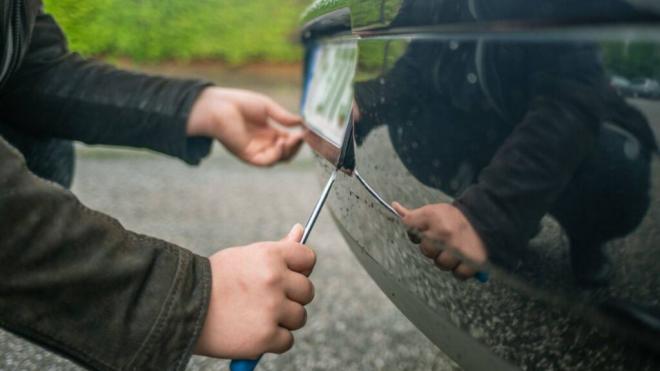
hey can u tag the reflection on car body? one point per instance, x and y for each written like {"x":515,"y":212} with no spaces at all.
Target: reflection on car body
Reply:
{"x":537,"y":135}
{"x":645,"y":88}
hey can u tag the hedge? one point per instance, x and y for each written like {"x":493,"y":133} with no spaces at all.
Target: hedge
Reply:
{"x":235,"y":31}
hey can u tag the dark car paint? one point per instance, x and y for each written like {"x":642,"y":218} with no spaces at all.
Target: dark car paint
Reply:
{"x":532,"y":314}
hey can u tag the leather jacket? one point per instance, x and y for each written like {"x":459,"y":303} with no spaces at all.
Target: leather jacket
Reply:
{"x":72,"y":279}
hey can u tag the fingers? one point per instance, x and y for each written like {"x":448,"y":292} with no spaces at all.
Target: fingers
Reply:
{"x":293,"y":317}
{"x":418,"y":219}
{"x":447,"y":261}
{"x":464,"y":271}
{"x":295,"y":234}
{"x":292,"y":143}
{"x":284,"y":146}
{"x":282,"y":341}
{"x":400,"y":209}
{"x":271,"y":154}
{"x":444,"y":259}
{"x":299,"y":258}
{"x":281,"y":115}
{"x":299,"y":288}
{"x":431,"y":249}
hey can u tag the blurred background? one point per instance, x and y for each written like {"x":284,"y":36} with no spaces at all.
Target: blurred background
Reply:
{"x":245,"y":44}
{"x":232,"y":31}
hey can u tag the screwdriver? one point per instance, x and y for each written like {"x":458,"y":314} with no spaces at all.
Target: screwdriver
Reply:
{"x":251,"y":364}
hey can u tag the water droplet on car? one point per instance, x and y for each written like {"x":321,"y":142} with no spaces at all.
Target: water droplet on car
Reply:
{"x":472,"y":78}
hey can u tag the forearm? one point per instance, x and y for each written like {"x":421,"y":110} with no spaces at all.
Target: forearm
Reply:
{"x":527,"y":175}
{"x":59,"y":94}
{"x":76,"y":281}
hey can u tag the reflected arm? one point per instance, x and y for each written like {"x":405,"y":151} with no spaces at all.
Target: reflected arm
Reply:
{"x":531,"y":169}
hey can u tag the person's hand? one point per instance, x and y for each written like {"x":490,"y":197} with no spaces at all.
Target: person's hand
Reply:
{"x":446,"y":236}
{"x":246,"y":124}
{"x":257,"y":298}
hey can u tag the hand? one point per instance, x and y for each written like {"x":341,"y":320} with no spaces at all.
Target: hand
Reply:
{"x":446,"y":237}
{"x":257,"y":297}
{"x":243,"y":122}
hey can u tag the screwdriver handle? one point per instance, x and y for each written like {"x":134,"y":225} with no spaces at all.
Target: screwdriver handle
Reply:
{"x":243,"y":364}
{"x":482,"y":277}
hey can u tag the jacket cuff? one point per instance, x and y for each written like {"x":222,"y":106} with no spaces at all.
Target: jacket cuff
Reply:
{"x":189,"y":149}
{"x":504,"y":245}
{"x":170,"y":343}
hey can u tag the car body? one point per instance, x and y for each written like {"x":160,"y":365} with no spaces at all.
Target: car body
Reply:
{"x":434,"y":91}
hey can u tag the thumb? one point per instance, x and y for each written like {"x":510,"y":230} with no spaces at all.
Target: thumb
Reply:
{"x":400,"y":209}
{"x":295,"y":234}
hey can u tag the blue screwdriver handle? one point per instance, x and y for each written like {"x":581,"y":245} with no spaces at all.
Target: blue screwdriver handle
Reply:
{"x":481,"y":277}
{"x":243,"y":364}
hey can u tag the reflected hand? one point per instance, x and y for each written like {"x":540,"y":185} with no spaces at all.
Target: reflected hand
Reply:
{"x":258,"y":293}
{"x":444,"y":228}
{"x":244,"y":122}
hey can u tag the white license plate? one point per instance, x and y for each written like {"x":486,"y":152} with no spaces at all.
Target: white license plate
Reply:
{"x":328,"y":90}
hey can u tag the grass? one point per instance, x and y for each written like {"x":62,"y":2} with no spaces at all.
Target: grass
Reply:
{"x":233,"y":31}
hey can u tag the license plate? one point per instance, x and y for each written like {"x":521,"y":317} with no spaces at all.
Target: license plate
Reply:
{"x":328,"y":89}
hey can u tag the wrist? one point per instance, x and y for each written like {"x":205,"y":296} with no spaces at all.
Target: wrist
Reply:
{"x":468,"y":239}
{"x":200,"y":119}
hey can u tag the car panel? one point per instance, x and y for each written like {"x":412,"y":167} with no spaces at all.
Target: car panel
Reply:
{"x":379,"y":14}
{"x":531,"y":315}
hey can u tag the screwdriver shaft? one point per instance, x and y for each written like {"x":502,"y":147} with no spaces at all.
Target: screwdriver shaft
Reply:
{"x":317,"y":208}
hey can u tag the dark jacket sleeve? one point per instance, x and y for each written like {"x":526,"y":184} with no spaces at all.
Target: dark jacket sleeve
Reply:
{"x":533,"y":166}
{"x":75,"y":281}
{"x":56,"y":93}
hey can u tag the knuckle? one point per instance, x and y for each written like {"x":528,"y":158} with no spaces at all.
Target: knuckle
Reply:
{"x":271,"y":277}
{"x":443,"y":265}
{"x":312,"y":256}
{"x":426,"y":211}
{"x":286,"y":343}
{"x":299,"y":317}
{"x":462,"y":272}
{"x":428,"y":249}
{"x":448,"y":260}
{"x":272,"y":305}
{"x":267,"y":337}
{"x":311,"y":292}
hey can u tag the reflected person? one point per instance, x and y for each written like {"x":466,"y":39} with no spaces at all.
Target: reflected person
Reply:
{"x":513,"y":131}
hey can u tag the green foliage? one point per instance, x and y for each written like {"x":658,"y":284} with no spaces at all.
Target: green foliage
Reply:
{"x":632,"y":60}
{"x":377,"y":57}
{"x":235,"y":31}
{"x":374,"y":13}
{"x":320,"y":7}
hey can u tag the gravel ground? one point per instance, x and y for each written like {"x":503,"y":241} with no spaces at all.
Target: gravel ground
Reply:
{"x":352,"y":325}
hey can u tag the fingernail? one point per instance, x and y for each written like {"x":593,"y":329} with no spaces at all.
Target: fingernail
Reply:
{"x":294,"y":228}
